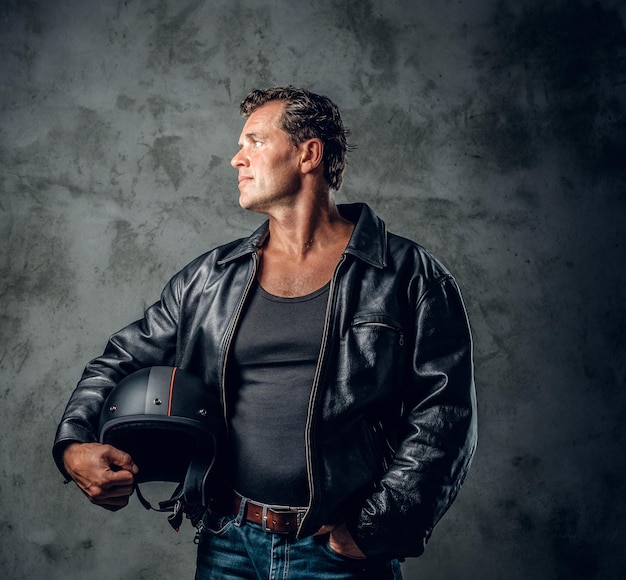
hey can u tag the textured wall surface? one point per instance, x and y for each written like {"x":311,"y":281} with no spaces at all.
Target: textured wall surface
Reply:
{"x":492,"y":131}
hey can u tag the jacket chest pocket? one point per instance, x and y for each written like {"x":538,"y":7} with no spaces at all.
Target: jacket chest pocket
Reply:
{"x":372,"y":354}
{"x":377,"y":331}
{"x":387,"y":327}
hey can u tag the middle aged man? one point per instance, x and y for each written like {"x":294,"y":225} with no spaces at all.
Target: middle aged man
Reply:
{"x":343,"y":358}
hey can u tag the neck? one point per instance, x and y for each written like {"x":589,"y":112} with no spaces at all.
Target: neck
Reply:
{"x":312,"y":227}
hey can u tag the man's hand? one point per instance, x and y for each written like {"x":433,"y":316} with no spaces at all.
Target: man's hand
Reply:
{"x":341,"y":541}
{"x":105,"y":474}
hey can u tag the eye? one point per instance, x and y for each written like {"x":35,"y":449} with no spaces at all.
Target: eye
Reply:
{"x":258,"y":144}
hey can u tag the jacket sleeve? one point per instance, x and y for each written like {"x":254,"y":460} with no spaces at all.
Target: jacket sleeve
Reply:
{"x":149,"y":341}
{"x":438,"y":433}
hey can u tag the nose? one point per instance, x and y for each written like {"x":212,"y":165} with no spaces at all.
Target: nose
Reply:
{"x":238,"y":159}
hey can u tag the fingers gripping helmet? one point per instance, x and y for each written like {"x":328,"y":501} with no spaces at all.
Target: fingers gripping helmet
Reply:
{"x":171,"y":424}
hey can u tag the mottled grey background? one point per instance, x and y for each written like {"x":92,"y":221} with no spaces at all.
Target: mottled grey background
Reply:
{"x":493,"y":131}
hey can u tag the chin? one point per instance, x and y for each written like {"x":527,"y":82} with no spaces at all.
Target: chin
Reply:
{"x":249,"y":206}
{"x":254,"y":204}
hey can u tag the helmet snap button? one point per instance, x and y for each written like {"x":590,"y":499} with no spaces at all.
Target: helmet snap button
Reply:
{"x":202,"y":412}
{"x":157,"y":401}
{"x":112,"y":408}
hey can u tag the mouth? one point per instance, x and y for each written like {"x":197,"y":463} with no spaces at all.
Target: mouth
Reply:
{"x":242,"y":179}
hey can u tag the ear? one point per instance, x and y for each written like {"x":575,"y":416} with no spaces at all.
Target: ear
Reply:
{"x":311,"y":154}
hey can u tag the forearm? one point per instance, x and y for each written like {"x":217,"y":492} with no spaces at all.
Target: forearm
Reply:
{"x":80,"y":420}
{"x":147,"y":342}
{"x":420,"y":485}
{"x":437,"y":433}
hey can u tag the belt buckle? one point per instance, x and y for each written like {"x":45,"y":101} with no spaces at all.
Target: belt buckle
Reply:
{"x":278,"y":510}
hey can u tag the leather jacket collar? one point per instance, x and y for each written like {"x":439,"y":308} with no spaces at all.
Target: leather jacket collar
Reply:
{"x":368,"y":241}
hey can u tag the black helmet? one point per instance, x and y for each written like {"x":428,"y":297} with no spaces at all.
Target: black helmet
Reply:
{"x":168,"y":420}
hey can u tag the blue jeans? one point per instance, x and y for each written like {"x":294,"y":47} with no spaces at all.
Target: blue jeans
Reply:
{"x":230,"y":548}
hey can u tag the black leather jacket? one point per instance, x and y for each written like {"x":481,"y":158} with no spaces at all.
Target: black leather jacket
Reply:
{"x":391,"y":427}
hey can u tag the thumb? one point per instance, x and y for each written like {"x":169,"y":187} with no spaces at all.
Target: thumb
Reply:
{"x":121,"y":459}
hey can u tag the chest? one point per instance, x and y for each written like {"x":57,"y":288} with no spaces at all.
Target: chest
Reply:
{"x":289,"y":278}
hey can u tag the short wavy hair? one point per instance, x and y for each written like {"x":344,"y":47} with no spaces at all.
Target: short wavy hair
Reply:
{"x":307,"y":116}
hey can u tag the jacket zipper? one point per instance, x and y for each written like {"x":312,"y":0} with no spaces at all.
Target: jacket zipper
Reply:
{"x":231,"y":334}
{"x":330,"y":309}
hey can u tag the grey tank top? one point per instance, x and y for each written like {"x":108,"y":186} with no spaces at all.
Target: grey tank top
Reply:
{"x":275,"y":355}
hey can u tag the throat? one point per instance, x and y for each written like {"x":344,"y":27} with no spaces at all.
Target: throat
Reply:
{"x":292,"y":270}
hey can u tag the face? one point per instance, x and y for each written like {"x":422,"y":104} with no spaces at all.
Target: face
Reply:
{"x":267,"y":161}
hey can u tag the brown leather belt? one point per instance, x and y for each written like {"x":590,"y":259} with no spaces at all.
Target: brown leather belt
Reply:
{"x":272,"y":518}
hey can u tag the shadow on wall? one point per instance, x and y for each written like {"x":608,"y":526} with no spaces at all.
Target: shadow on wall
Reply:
{"x":554,"y":77}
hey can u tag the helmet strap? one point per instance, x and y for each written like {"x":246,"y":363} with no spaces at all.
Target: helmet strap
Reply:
{"x":188,"y":497}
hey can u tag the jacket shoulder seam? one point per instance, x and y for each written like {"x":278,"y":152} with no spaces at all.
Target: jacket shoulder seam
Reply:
{"x":436,"y":284}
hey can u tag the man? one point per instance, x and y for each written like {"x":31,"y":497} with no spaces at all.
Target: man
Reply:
{"x":344,"y":360}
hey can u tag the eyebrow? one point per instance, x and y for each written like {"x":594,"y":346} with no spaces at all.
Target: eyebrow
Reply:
{"x":251,"y":137}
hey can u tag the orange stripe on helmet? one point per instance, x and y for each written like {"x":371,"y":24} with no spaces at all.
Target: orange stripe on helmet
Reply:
{"x":169,"y":403}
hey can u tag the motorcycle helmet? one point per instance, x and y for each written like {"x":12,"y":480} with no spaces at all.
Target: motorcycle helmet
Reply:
{"x":165,"y":418}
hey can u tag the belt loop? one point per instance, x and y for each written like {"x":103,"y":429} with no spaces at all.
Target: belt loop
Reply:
{"x":241,"y":516}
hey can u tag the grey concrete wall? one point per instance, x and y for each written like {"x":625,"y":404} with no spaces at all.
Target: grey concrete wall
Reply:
{"x":493,"y":131}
